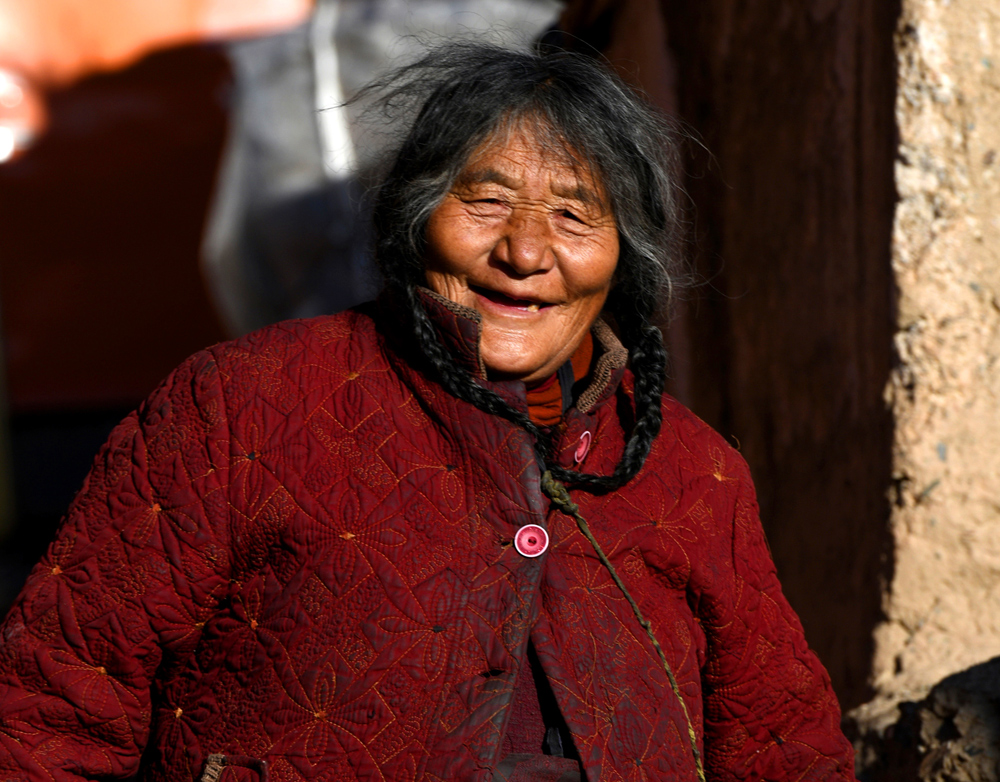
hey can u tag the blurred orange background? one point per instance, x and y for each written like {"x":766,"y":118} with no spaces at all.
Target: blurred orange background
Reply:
{"x":127,"y":165}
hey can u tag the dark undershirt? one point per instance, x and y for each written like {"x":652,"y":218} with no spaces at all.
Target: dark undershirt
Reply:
{"x":527,"y":726}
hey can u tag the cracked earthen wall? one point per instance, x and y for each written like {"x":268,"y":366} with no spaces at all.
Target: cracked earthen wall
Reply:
{"x":942,"y":606}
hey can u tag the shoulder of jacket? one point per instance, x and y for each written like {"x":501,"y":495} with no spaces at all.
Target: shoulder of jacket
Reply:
{"x":683,"y":435}
{"x":340,"y":342}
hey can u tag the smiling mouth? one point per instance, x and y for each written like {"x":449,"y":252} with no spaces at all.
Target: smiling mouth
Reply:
{"x":529,"y":305}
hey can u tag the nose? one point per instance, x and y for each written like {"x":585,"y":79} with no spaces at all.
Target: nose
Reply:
{"x":526,"y":243}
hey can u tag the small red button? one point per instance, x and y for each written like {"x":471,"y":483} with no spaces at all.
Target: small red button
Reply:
{"x":531,"y":540}
{"x":582,"y":447}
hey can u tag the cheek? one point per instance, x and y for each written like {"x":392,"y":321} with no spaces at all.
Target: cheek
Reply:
{"x":453,"y":241}
{"x":451,"y":286}
{"x":443,"y":268}
{"x":593,"y":276}
{"x":439,"y":243}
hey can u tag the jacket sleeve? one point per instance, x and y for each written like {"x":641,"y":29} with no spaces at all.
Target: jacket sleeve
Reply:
{"x":770,"y":711}
{"x":137,"y":565}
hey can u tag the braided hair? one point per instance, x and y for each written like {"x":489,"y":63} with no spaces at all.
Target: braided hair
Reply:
{"x":464,"y":94}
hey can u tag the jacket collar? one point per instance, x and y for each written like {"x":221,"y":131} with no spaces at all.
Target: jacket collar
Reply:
{"x":458,"y":327}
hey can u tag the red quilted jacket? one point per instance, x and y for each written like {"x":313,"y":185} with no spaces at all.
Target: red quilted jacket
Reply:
{"x":297,"y":555}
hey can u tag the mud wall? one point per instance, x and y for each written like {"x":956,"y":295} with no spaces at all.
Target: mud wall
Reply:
{"x":943,"y":603}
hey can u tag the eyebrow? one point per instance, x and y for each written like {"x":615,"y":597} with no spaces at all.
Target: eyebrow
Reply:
{"x":490,"y":175}
{"x":576,"y":192}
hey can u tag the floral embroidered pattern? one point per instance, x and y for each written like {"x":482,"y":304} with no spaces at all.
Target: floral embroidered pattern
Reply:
{"x":298,"y":552}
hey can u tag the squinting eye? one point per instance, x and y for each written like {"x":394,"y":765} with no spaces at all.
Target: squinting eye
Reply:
{"x":486,"y":207}
{"x":571,"y":216}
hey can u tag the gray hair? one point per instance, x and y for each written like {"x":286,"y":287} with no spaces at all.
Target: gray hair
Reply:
{"x":463,"y":94}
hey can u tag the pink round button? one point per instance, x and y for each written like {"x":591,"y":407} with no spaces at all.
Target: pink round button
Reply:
{"x":582,"y":447}
{"x":531,"y":540}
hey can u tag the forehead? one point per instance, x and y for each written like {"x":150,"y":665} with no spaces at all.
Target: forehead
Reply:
{"x":513,"y":156}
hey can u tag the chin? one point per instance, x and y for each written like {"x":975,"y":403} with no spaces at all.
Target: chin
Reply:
{"x":511,"y":367}
{"x":518,"y":359}
{"x":511,"y":371}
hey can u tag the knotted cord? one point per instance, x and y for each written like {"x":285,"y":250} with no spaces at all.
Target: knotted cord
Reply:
{"x":560,"y":498}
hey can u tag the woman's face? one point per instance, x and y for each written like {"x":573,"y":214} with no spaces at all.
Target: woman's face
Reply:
{"x":528,"y":242}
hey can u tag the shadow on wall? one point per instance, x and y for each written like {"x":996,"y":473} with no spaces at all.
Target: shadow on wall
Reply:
{"x":953,"y":735}
{"x":790,"y":338}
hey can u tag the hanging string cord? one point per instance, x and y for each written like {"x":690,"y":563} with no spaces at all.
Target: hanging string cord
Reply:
{"x":560,"y":498}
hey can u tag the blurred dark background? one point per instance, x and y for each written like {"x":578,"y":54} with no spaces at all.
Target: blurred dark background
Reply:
{"x":99,"y":278}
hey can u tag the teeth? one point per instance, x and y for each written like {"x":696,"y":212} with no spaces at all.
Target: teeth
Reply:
{"x":532,"y":308}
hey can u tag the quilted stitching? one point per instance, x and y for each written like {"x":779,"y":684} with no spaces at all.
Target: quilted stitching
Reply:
{"x":299,"y":550}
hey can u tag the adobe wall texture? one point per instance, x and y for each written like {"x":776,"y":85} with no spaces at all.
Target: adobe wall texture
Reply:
{"x":942,"y":606}
{"x":936,"y":662}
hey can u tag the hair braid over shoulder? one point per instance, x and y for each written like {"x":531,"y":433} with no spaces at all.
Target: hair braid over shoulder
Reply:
{"x":461,"y":384}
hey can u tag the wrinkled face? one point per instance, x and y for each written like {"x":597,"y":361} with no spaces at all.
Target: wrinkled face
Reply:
{"x":528,"y":242}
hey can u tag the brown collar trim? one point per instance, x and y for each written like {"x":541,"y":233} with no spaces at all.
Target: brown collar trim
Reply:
{"x":613,"y":357}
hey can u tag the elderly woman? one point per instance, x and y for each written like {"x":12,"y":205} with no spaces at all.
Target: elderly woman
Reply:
{"x":457,"y":534}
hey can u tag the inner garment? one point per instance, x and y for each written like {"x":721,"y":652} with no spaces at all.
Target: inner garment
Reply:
{"x":536,"y":725}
